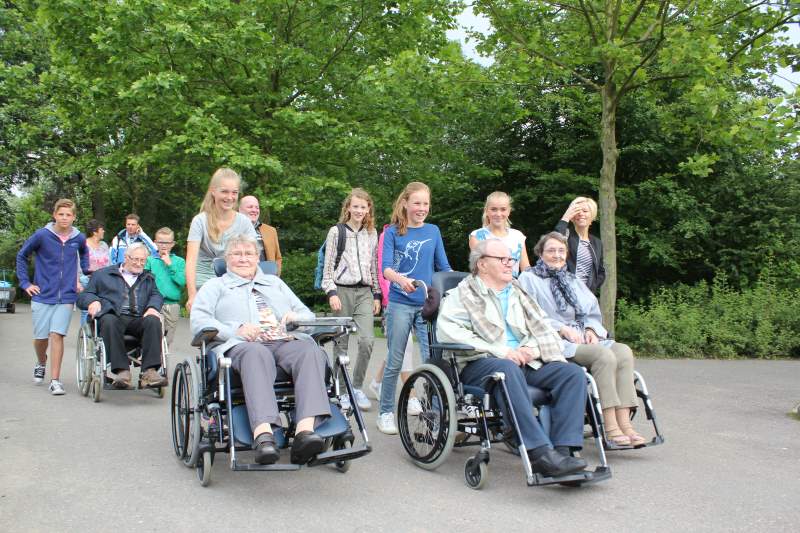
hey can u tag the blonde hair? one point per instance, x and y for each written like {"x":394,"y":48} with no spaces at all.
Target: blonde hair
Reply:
{"x":64,"y":203}
{"x":166,"y":232}
{"x":591,"y":203}
{"x":208,"y":206}
{"x":399,"y":214}
{"x":497,"y":195}
{"x":361,"y":194}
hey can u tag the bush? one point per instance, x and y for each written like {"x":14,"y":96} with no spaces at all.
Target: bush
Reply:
{"x":298,"y":273}
{"x":715,"y":321}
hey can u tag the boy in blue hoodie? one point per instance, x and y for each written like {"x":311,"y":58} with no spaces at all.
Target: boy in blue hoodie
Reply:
{"x":58,"y":248}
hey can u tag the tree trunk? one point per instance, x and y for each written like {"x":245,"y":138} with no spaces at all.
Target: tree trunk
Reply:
{"x":608,"y":203}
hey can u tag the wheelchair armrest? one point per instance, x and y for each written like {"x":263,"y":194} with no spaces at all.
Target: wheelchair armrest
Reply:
{"x":452,"y":347}
{"x":323,"y":322}
{"x":205,"y":335}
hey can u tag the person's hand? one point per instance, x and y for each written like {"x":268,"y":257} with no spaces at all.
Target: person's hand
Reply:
{"x":189,"y":302}
{"x":166,"y":258}
{"x":591,"y":337}
{"x":527,"y":352}
{"x":516,"y":356}
{"x":406,"y":284}
{"x":33,"y":290}
{"x":335,"y":303}
{"x":290,"y":316}
{"x":152,"y":312}
{"x":79,"y":287}
{"x":571,"y":334}
{"x":93,"y":309}
{"x":376,"y":307}
{"x":249,"y":332}
{"x":572,"y":210}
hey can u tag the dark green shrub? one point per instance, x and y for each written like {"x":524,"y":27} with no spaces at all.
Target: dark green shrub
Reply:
{"x":298,"y":273}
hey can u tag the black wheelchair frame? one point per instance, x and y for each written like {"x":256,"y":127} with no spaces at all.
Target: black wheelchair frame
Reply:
{"x":203,"y":421}
{"x":455,"y":415}
{"x":91,"y":361}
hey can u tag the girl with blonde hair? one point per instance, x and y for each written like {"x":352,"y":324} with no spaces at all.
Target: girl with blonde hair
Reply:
{"x":497,"y":225}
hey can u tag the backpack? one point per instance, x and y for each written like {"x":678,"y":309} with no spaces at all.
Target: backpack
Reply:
{"x":321,"y":255}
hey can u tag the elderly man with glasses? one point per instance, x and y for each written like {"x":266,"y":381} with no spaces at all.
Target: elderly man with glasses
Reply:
{"x":125,"y":300}
{"x":509,"y":333}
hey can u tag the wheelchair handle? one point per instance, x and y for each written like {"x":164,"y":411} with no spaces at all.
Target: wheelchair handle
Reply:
{"x":419,"y":283}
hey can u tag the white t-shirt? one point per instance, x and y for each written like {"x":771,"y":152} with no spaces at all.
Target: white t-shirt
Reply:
{"x":514,"y":239}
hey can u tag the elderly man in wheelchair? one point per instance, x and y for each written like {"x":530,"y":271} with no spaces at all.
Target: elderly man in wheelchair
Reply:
{"x":125,"y":301}
{"x":509,"y":335}
{"x":250,"y":312}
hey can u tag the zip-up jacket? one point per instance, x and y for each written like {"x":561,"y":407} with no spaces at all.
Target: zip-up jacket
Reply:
{"x":56,"y":264}
{"x":121,"y":241}
{"x":108,"y":287}
{"x":358,"y":265}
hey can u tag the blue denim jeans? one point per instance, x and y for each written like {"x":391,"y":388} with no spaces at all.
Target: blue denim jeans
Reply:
{"x":400,"y":318}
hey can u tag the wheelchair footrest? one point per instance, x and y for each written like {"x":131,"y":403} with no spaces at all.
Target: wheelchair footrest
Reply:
{"x":345,"y":454}
{"x":255,"y":467}
{"x":579,"y":478}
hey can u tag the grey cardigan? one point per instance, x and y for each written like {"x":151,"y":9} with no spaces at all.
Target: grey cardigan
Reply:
{"x":227,"y":302}
{"x":539,"y":289}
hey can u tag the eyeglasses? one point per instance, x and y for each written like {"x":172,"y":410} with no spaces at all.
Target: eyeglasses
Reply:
{"x":505,"y":261}
{"x":136,"y":259}
{"x":556,"y":251}
{"x":164,"y":243}
{"x":248,"y":255}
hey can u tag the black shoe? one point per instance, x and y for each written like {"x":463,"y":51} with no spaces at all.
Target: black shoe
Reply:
{"x":305,"y":446}
{"x":554,"y":464}
{"x":266,"y":450}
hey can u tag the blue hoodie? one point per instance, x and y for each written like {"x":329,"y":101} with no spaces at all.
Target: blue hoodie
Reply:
{"x":56,"y":264}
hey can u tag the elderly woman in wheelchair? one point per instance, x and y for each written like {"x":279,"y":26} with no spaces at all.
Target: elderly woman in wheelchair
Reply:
{"x":574,"y":312}
{"x":246,"y":320}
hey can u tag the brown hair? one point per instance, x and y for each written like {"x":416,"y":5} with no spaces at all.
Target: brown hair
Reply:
{"x":496,"y":195}
{"x":361,"y":194}
{"x":399,"y":214}
{"x":208,"y":206}
{"x":132,"y":216}
{"x":64,"y":202}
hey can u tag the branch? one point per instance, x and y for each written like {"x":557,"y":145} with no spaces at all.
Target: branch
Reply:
{"x":589,"y":22}
{"x":636,"y":13}
{"x":760,"y":34}
{"x":623,"y":88}
{"x":522,"y":42}
{"x":656,"y":79}
{"x":740,"y":12}
{"x":614,"y":19}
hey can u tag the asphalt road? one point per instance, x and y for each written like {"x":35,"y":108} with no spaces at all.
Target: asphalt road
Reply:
{"x":730,"y":463}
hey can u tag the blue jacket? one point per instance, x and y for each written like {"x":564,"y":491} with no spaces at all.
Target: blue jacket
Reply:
{"x":56,"y":264}
{"x":108,"y":287}
{"x":121,"y":241}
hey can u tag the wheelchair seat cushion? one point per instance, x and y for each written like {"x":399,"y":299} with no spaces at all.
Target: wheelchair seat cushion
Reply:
{"x":131,"y":342}
{"x":334,"y":425}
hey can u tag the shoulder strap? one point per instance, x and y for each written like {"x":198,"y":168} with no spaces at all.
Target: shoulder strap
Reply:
{"x":340,"y":243}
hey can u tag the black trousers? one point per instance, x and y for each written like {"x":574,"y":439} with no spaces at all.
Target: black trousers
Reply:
{"x":113,"y":329}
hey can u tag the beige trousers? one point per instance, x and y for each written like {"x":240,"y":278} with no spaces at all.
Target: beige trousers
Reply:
{"x":612,"y":369}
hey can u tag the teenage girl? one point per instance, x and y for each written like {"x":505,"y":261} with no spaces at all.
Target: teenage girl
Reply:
{"x":496,"y":225}
{"x":352,"y":285}
{"x":217,"y":221}
{"x":412,"y":250}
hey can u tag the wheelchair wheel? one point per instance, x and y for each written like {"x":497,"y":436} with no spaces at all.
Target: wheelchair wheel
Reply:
{"x":476,"y":473}
{"x":341,"y":444}
{"x":186,"y":431}
{"x":84,"y":362}
{"x":429,"y":436}
{"x":97,"y":389}
{"x":203,"y":467}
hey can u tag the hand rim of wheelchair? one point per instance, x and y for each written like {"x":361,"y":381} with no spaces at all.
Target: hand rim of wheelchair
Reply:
{"x":83,"y":361}
{"x":185,"y":413}
{"x":431,"y":420}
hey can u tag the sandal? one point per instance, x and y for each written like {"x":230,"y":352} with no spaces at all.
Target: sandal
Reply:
{"x":634,"y":438}
{"x":618,"y":438}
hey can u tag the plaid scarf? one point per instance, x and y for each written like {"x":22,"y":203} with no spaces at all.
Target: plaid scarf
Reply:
{"x":561,"y":286}
{"x":548,"y":343}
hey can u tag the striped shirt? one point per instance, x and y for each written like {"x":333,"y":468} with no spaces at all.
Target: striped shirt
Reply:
{"x":584,"y":262}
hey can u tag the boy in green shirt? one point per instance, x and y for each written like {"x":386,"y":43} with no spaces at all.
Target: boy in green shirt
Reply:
{"x":169,"y":271}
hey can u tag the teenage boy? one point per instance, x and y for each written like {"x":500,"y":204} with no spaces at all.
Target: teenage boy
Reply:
{"x":55,"y":286}
{"x":168,"y":270}
{"x":132,"y":233}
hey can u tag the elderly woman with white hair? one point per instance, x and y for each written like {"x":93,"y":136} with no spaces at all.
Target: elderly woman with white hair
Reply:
{"x":574,"y":312}
{"x":250,"y":310}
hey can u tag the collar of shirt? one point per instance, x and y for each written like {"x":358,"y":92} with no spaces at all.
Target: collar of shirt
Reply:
{"x":129,"y":277}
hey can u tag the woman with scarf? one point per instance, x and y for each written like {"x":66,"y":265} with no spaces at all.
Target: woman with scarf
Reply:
{"x":574,"y":312}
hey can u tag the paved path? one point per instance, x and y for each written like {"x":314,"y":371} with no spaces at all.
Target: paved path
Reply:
{"x":731,"y":463}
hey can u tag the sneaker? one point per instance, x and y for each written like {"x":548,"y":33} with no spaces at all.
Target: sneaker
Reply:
{"x":414,"y":407}
{"x":152,"y":379}
{"x":375,"y":389}
{"x":344,"y":402}
{"x":363,"y":402}
{"x":386,"y":424}
{"x":56,"y":388}
{"x":38,"y":374}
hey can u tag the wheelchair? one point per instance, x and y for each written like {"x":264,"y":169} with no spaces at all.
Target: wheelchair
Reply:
{"x":456,"y":415}
{"x":91,"y":362}
{"x":209,"y":415}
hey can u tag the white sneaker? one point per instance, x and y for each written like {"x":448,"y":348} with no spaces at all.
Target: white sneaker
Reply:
{"x":386,"y":424}
{"x":414,"y":407}
{"x":361,"y":399}
{"x":375,"y":388}
{"x":38,"y":373}
{"x":56,"y":388}
{"x":344,"y":402}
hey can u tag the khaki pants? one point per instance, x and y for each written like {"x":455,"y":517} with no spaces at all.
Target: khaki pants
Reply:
{"x":357,"y":303}
{"x":612,"y":370}
{"x":171,"y":313}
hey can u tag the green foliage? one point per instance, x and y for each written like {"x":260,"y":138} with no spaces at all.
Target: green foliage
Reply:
{"x":716,"y":321}
{"x":298,"y":273}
